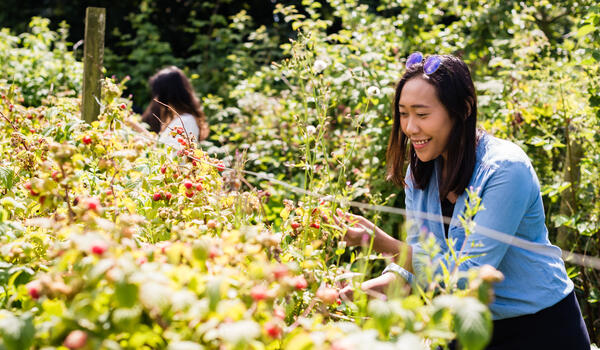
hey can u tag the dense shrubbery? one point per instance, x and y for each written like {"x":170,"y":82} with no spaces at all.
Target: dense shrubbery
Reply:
{"x":112,"y":241}
{"x":535,"y":70}
{"x":319,"y":119}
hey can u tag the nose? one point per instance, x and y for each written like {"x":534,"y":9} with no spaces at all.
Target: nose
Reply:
{"x":411,"y":126}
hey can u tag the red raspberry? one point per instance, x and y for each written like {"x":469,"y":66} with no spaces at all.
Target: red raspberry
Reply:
{"x":327,"y":295}
{"x":315,"y":225}
{"x":259,"y":292}
{"x":295,"y":225}
{"x":75,"y":340}
{"x":157,"y":196}
{"x":34,"y":288}
{"x":93,"y":204}
{"x":86,"y":140}
{"x":188,"y":184}
{"x":300,"y":282}
{"x":280,"y":271}
{"x":99,"y":247}
{"x":213,"y":252}
{"x":272,"y":330}
{"x":123,"y":106}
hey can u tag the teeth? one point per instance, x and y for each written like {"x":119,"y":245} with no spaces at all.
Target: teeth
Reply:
{"x":420,"y":142}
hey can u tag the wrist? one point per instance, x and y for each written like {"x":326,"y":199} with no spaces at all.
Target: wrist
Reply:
{"x":385,"y":243}
{"x":399,"y":271}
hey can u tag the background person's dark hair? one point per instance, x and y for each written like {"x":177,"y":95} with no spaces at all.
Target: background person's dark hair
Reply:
{"x":171,"y":87}
{"x":455,"y":90}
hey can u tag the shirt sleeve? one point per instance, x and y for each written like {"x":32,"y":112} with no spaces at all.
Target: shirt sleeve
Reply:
{"x":505,"y":197}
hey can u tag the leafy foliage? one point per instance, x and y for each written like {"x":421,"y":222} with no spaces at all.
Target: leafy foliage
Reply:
{"x":110,"y":240}
{"x":316,"y":111}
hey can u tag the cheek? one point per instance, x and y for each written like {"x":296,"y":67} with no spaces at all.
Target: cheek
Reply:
{"x":403,"y":126}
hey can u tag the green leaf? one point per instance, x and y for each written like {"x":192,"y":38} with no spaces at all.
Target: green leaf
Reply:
{"x":473,"y":324}
{"x":213,"y":289}
{"x":126,"y":318}
{"x":296,"y":25}
{"x":8,"y":177}
{"x":585,"y":30}
{"x":126,"y":294}
{"x":300,"y":341}
{"x":382,"y":314}
{"x":17,"y":332}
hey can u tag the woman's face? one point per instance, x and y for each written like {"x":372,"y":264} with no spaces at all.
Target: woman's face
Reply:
{"x":424,"y":120}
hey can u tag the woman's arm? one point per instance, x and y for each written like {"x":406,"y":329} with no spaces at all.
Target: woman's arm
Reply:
{"x":137,"y":127}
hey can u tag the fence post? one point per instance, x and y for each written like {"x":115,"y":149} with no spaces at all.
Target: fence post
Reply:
{"x":93,"y":55}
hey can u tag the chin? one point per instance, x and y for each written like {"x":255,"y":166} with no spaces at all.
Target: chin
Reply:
{"x":425,"y":157}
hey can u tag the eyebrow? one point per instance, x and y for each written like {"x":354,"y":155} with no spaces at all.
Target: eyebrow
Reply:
{"x":416,"y":106}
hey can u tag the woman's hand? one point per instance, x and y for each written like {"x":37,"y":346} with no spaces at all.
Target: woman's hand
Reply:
{"x":357,"y":228}
{"x":375,"y":287}
{"x":358,"y":231}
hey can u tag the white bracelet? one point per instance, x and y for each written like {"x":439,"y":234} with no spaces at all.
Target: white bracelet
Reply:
{"x":408,"y":277}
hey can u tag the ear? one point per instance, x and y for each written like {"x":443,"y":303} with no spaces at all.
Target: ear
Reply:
{"x":469,"y":103}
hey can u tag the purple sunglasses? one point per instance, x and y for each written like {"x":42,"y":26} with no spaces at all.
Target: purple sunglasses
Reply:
{"x":432,"y":63}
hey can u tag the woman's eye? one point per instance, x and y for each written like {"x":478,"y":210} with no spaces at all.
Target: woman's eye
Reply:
{"x":421,"y":115}
{"x":403,"y":114}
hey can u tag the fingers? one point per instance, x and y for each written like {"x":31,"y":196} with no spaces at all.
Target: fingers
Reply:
{"x":348,"y":217}
{"x":347,"y":293}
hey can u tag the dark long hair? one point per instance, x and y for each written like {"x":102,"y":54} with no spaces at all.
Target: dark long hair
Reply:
{"x":171,"y":87}
{"x":455,"y":90}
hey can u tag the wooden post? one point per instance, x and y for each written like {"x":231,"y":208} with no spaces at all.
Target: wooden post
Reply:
{"x":93,"y":55}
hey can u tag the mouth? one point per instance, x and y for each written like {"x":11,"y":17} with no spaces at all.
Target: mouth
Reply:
{"x":420,"y":143}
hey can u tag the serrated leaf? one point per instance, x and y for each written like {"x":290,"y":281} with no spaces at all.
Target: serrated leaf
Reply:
{"x":16,"y":331}
{"x":7,"y":177}
{"x":473,"y":324}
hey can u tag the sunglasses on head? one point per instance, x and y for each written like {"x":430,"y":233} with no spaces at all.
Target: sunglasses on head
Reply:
{"x":432,"y":63}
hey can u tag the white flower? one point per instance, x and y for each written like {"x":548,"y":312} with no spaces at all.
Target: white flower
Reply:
{"x":239,"y":332}
{"x":311,"y":130}
{"x":373,"y":91}
{"x":410,"y":341}
{"x":184,"y":345}
{"x":319,"y":66}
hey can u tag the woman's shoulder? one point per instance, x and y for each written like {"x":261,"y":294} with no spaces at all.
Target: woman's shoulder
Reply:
{"x":187,"y":121}
{"x":494,"y":153}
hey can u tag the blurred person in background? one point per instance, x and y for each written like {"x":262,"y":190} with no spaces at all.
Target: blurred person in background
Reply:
{"x":173,"y":105}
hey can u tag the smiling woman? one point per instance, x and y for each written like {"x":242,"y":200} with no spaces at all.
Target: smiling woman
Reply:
{"x":435,"y":132}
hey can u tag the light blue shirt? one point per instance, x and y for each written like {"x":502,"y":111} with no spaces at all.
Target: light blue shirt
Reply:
{"x":510,"y":193}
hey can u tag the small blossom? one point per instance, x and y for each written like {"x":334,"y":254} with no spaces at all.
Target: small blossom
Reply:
{"x":319,"y":66}
{"x":373,"y":91}
{"x":311,"y":130}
